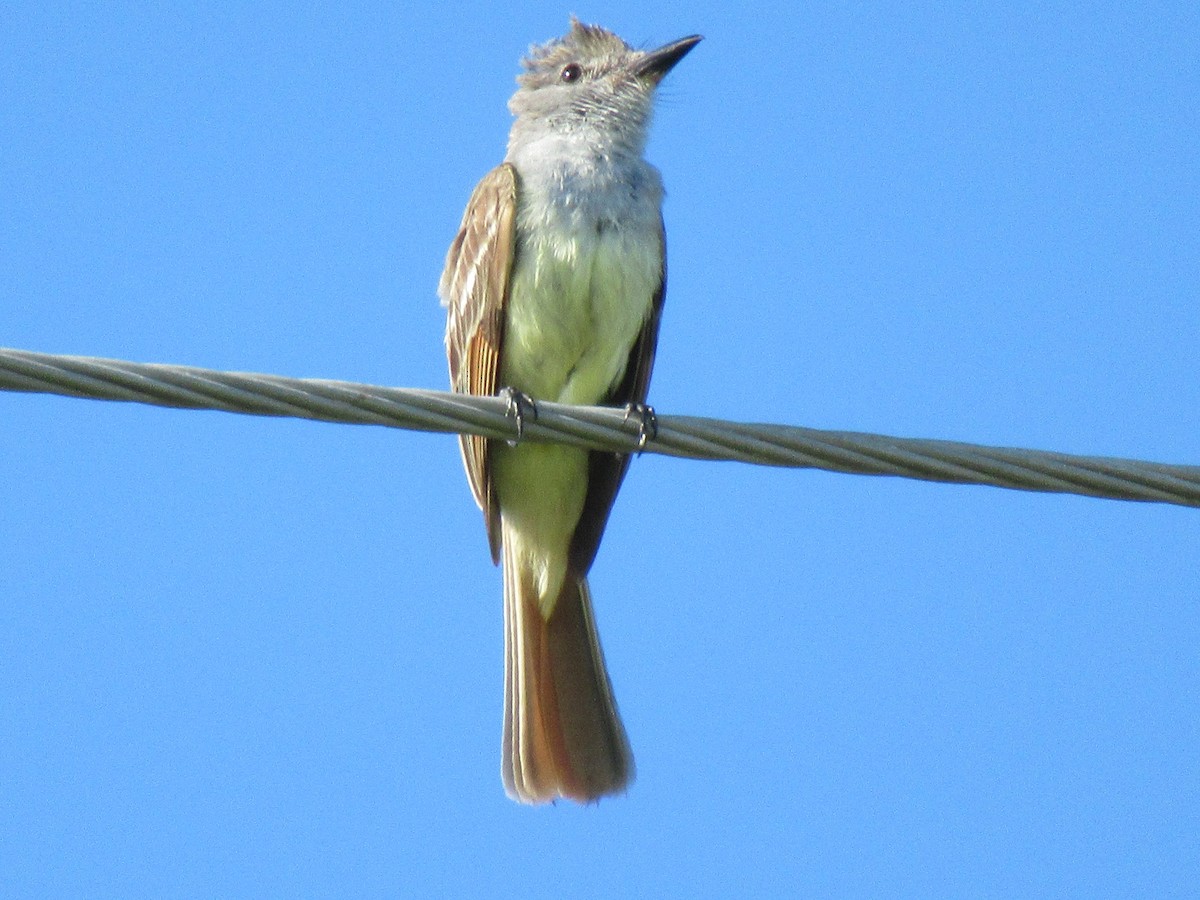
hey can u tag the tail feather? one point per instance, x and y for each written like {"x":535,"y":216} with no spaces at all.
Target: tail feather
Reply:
{"x":562,"y":734}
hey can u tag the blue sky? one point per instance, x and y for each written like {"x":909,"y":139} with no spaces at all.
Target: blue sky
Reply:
{"x":252,"y":657}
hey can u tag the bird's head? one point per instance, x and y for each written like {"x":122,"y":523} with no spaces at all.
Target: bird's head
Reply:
{"x":591,"y":81}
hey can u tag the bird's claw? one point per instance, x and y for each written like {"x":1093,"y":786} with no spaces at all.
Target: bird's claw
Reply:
{"x":518,"y":405}
{"x":647,"y":422}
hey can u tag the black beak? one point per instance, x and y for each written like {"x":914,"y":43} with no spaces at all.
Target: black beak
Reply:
{"x":657,"y":63}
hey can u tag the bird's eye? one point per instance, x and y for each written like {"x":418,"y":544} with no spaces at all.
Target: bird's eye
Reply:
{"x":571,"y":72}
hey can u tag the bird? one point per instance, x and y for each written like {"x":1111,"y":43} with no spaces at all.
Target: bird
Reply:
{"x":554,"y":286}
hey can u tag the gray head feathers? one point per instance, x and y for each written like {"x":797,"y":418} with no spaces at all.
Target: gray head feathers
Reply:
{"x":591,"y":47}
{"x":590,"y":84}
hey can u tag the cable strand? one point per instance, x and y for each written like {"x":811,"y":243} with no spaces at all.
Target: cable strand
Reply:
{"x":598,"y":428}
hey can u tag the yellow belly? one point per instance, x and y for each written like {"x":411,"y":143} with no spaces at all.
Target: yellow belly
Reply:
{"x":576,"y":306}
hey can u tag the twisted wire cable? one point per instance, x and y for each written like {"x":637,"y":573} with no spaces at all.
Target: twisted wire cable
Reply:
{"x":598,"y":427}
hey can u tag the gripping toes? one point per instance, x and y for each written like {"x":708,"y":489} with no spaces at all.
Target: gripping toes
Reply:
{"x":647,"y":422}
{"x":518,"y":405}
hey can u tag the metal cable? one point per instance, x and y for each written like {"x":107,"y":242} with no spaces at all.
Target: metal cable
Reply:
{"x":598,"y":428}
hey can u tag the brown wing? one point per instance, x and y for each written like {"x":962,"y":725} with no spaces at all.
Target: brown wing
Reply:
{"x":606,"y":470}
{"x":474,"y":286}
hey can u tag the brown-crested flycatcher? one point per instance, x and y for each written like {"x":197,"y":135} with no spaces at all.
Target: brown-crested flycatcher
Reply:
{"x":555,"y":285}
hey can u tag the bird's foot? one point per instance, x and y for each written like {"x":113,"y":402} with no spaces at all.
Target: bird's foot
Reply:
{"x":647,"y":422}
{"x":518,"y":405}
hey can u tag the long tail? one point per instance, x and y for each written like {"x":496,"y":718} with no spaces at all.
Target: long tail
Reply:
{"x":562,"y":734}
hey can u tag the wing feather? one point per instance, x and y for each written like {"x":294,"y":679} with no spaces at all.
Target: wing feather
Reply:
{"x":474,"y":287}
